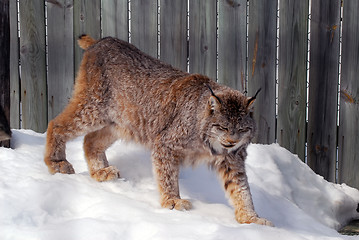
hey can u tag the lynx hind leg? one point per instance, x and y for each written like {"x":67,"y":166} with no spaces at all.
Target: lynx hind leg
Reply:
{"x":55,"y":156}
{"x":166,"y":170}
{"x":95,"y":145}
{"x":71,"y":123}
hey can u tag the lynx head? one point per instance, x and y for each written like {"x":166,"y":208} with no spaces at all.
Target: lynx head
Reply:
{"x":228,"y":123}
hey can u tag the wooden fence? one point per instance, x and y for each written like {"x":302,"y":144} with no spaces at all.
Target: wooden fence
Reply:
{"x":243,"y":44}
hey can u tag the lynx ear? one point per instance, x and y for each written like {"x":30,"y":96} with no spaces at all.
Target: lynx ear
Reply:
{"x":251,"y":100}
{"x":214,"y":102}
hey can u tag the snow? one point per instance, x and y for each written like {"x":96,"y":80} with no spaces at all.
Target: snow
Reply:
{"x":37,"y":205}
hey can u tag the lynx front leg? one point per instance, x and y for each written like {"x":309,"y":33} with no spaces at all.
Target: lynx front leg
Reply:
{"x":166,"y":169}
{"x":95,"y":145}
{"x":236,"y":186}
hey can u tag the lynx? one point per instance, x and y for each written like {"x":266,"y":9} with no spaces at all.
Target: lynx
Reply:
{"x":184,"y":119}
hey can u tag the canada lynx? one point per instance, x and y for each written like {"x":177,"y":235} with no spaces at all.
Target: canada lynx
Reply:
{"x":182,"y":118}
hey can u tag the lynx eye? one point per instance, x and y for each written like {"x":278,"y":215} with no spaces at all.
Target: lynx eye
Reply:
{"x":221,"y":128}
{"x":243,"y":130}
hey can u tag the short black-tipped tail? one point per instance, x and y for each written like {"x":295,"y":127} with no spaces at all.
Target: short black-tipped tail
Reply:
{"x":85,"y":41}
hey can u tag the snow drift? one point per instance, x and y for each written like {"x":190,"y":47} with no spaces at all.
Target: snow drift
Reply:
{"x":37,"y":205}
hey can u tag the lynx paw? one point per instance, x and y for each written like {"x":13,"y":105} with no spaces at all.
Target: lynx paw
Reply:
{"x":178,"y":204}
{"x":106,"y":174}
{"x":62,"y":166}
{"x":257,"y":220}
{"x":263,"y":221}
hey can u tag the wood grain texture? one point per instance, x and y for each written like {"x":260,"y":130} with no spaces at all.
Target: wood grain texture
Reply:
{"x":292,"y":96}
{"x":60,"y":78}
{"x":323,"y":86}
{"x":33,"y":65}
{"x":261,"y":66}
{"x":173,"y":35}
{"x":349,"y":102}
{"x":87,"y":20}
{"x":4,"y":67}
{"x":202,"y":38}
{"x":232,"y":46}
{"x":144,"y":26}
{"x":115,"y":19}
{"x":14,"y":68}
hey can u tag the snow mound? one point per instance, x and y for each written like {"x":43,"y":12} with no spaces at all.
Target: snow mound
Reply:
{"x":37,"y":205}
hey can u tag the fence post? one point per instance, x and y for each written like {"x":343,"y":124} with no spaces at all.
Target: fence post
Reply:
{"x":33,"y":65}
{"x":323,"y":86}
{"x":14,"y":67}
{"x":202,"y":38}
{"x":349,"y":103}
{"x":115,"y":19}
{"x":144,"y":25}
{"x":261,"y":65}
{"x":60,"y":78}
{"x":4,"y":70}
{"x":232,"y":44}
{"x":292,"y":70}
{"x":173,"y":34}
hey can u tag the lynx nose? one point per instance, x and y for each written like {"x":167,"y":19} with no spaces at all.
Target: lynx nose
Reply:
{"x":229,"y":143}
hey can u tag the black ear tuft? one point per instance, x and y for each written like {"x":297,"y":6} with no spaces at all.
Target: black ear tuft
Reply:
{"x":213,"y":95}
{"x":250,"y":101}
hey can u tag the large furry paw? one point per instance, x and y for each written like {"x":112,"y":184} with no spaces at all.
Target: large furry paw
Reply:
{"x":263,"y":221}
{"x":62,"y":166}
{"x":256,"y":220}
{"x":106,"y":174}
{"x":178,"y":204}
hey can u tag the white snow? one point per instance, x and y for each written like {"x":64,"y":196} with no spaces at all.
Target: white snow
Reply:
{"x":37,"y":205}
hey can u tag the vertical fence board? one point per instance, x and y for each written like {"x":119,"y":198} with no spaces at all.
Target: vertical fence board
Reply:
{"x":115,"y":18}
{"x":4,"y":67}
{"x":87,"y":20}
{"x":33,"y":65}
{"x":293,"y":31}
{"x":144,"y":25}
{"x":14,"y":68}
{"x":173,"y":35}
{"x":349,"y":104}
{"x":232,"y":46}
{"x":60,"y":76}
{"x":261,"y":65}
{"x":202,"y":38}
{"x":323,"y":86}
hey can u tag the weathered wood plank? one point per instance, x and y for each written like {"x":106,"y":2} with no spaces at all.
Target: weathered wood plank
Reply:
{"x":323,"y":86}
{"x":33,"y":65}
{"x":144,"y":25}
{"x":87,"y":20}
{"x":202,"y":38}
{"x":60,"y":78}
{"x":115,"y":19}
{"x":292,"y":96}
{"x":4,"y":71}
{"x":173,"y":35}
{"x":232,"y":46}
{"x":349,"y":104}
{"x":14,"y":68}
{"x":261,"y":65}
